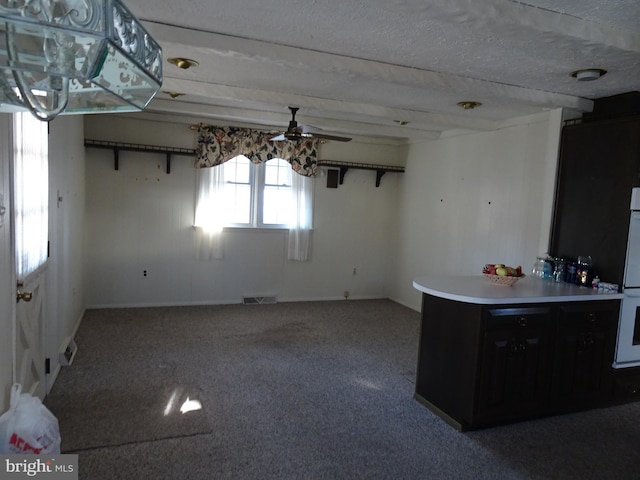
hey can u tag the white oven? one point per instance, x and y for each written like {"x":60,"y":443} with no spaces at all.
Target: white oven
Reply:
{"x":628,"y":343}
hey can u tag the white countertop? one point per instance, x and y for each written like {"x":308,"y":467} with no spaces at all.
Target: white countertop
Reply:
{"x":477,"y":289}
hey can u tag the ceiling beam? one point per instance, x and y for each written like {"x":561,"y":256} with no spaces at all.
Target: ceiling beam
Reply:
{"x":211,"y":47}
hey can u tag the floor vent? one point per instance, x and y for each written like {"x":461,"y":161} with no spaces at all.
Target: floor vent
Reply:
{"x":66,"y":357}
{"x":259,"y":300}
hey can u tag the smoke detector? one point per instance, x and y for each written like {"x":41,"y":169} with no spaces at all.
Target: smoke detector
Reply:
{"x":588,"y":74}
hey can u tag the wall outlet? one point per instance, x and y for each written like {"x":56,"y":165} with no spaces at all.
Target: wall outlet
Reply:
{"x":355,"y":271}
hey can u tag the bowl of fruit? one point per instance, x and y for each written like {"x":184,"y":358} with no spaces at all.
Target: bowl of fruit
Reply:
{"x":500,"y":274}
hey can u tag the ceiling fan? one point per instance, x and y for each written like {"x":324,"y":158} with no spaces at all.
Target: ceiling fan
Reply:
{"x":294,"y":132}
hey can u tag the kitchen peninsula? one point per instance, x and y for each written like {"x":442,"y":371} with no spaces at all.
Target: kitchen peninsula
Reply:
{"x":492,"y":354}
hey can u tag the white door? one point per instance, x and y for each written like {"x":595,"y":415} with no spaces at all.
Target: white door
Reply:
{"x":29,"y":235}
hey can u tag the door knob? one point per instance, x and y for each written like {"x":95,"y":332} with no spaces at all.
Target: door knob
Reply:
{"x":24,"y":296}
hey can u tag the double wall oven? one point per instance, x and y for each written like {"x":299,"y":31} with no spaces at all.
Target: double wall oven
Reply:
{"x":628,"y":344}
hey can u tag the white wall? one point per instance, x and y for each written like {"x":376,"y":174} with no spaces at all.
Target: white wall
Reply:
{"x":139,"y":218}
{"x":65,"y":275}
{"x":474,"y":199}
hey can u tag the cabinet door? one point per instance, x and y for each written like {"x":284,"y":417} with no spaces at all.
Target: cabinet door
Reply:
{"x":516,"y":363}
{"x":448,"y":357}
{"x":585,"y":351}
{"x":599,"y":164}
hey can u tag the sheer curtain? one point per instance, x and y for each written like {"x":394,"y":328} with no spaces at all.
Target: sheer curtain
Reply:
{"x":31,"y":194}
{"x":301,"y":222}
{"x":209,"y":216}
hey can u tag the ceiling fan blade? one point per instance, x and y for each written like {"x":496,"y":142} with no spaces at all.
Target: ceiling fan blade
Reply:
{"x":322,"y":136}
{"x":278,"y":138}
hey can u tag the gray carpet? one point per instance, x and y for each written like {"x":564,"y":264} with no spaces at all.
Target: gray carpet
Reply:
{"x":308,"y":390}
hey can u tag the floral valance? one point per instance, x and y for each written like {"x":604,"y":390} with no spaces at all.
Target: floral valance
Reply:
{"x":217,"y":145}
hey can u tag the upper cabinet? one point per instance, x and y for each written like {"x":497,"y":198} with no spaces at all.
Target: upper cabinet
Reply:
{"x":599,"y":164}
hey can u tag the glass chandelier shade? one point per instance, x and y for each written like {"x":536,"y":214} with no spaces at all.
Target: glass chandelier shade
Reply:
{"x":75,"y":56}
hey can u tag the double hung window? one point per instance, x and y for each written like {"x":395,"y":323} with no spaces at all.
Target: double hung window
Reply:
{"x":258,"y":195}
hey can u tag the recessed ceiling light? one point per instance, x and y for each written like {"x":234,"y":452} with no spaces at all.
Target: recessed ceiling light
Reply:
{"x":183,"y":63}
{"x":588,"y":74}
{"x":173,"y":94}
{"x":469,"y":105}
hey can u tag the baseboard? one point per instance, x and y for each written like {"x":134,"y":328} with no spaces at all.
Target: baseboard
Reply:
{"x":78,"y":322}
{"x":227,"y":302}
{"x":405,"y":304}
{"x":53,"y":377}
{"x":98,"y":306}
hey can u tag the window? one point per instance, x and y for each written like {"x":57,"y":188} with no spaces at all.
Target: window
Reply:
{"x":243,"y":194}
{"x":258,"y":195}
{"x":30,"y":194}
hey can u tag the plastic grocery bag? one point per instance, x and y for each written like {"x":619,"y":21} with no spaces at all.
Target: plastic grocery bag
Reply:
{"x":28,"y":427}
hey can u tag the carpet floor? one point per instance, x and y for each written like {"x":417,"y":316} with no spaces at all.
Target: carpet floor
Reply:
{"x":308,"y":390}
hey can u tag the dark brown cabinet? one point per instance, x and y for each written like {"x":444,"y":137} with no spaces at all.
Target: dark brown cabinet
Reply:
{"x":585,"y":346}
{"x":482,"y":365}
{"x":516,"y":362}
{"x":599,"y":163}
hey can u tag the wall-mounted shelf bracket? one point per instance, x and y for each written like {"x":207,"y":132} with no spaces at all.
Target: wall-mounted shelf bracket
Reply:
{"x":343,"y":171}
{"x":133,"y":147}
{"x":345,"y":166}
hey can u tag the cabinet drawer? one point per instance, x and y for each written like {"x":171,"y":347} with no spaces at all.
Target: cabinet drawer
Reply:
{"x":599,"y":315}
{"x":517,"y":318}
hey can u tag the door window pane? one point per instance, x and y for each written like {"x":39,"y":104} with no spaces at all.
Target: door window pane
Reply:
{"x":31,"y":194}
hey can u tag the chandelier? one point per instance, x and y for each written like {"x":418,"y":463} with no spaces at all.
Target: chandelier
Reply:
{"x":75,"y":57}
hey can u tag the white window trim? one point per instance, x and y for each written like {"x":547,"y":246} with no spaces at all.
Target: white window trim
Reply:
{"x":257,"y":177}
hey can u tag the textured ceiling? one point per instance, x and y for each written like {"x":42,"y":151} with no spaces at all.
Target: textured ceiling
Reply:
{"x":357,"y":68}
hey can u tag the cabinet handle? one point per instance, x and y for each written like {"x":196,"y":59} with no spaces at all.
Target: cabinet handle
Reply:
{"x":586,"y":340}
{"x":592,"y":317}
{"x":516,"y":346}
{"x":522,"y":321}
